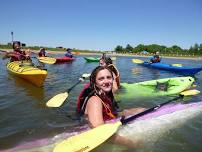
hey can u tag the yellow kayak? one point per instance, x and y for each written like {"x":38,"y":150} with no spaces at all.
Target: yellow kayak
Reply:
{"x":26,"y":70}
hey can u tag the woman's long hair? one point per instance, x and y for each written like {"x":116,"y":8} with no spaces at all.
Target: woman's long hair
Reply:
{"x":106,"y":59}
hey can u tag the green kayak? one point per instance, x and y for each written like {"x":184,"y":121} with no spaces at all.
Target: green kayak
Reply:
{"x":91,"y":59}
{"x":153,"y":88}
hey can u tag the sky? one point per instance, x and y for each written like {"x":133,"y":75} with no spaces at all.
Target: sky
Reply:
{"x":101,"y":24}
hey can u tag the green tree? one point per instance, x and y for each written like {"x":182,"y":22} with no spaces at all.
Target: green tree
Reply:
{"x":129,"y":48}
{"x":118,"y":49}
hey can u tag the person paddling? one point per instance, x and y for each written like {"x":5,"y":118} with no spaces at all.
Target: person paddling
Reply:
{"x":156,"y":58}
{"x":107,"y":62}
{"x":18,"y":54}
{"x":99,"y":106}
{"x":69,"y":53}
{"x":42,"y":52}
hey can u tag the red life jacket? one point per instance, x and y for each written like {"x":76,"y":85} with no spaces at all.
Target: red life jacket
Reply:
{"x":17,"y":56}
{"x":42,"y":53}
{"x":109,"y":105}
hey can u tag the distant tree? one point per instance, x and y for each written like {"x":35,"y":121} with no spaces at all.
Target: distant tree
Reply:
{"x":129,"y":48}
{"x":196,"y":47}
{"x":200,"y":47}
{"x":118,"y":49}
{"x":140,"y":48}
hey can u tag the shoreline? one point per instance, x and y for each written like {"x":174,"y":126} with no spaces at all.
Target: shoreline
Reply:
{"x":115,"y":54}
{"x":127,"y":55}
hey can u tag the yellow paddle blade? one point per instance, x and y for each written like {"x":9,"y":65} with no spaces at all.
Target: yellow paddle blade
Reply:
{"x":86,"y":75}
{"x":113,"y":58}
{"x":57,"y":100}
{"x":47,"y":60}
{"x":88,"y":140}
{"x":177,"y":65}
{"x":190,"y":92}
{"x":138,"y":61}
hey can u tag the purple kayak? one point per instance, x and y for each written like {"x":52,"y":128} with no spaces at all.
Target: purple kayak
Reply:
{"x":148,"y":128}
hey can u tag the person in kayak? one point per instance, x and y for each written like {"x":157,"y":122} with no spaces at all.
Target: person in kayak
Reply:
{"x":99,"y":106}
{"x":156,"y":58}
{"x":18,"y":54}
{"x":42,"y":52}
{"x":107,"y":62}
{"x":69,"y":53}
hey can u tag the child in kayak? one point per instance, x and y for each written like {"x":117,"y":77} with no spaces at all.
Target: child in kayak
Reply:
{"x":18,"y":54}
{"x":99,"y":105}
{"x":107,"y":62}
{"x":69,"y":53}
{"x":156,"y":58}
{"x":42,"y":52}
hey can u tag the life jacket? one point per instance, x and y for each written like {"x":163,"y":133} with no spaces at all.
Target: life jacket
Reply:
{"x":17,"y":56}
{"x":42,"y":53}
{"x":109,"y":105}
{"x":116,"y":72}
{"x":69,"y":55}
{"x":156,"y":59}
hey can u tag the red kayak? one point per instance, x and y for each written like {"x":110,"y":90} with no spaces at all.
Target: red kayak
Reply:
{"x":64,"y":59}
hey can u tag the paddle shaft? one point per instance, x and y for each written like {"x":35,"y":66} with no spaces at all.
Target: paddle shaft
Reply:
{"x":125,"y":121}
{"x":68,"y":90}
{"x":2,"y":51}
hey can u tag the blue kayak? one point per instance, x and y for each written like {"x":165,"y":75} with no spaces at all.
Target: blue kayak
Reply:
{"x":168,"y":67}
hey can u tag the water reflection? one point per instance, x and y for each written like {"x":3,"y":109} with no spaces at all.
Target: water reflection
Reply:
{"x":36,"y":93}
{"x":136,"y":71}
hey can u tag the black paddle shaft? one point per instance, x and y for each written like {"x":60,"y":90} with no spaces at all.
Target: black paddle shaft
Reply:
{"x":73,"y":86}
{"x":125,"y":121}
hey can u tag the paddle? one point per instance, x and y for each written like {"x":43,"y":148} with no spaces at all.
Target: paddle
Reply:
{"x":88,"y":140}
{"x":138,"y":61}
{"x":48,"y":60}
{"x":59,"y":99}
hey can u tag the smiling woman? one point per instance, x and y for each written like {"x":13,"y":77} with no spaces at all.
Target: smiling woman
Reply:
{"x":99,"y":106}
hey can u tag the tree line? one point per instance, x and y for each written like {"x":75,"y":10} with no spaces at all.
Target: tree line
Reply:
{"x":193,"y":50}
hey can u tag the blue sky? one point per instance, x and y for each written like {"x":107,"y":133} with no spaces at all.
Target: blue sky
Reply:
{"x":101,"y":24}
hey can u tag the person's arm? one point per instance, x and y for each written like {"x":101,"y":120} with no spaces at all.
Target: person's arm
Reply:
{"x":94,"y":112}
{"x":10,"y":54}
{"x":95,"y":118}
{"x":115,"y":85}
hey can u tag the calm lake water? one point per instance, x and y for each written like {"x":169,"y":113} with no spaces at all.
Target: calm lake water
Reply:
{"x":24,"y":116}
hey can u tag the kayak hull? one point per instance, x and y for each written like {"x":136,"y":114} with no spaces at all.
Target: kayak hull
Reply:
{"x":149,"y":88}
{"x":28,"y":71}
{"x":91,"y":59}
{"x":147,"y":128}
{"x":176,"y":69}
{"x":64,"y":59}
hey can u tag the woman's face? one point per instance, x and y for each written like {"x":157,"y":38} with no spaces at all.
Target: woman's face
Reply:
{"x":16,"y":46}
{"x":102,"y":63}
{"x":104,"y":80}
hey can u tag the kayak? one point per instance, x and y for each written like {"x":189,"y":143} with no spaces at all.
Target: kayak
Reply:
{"x":148,"y":128}
{"x":91,"y":59}
{"x":172,"y":68}
{"x":26,"y":70}
{"x":64,"y":59}
{"x":154,"y":88}
{"x":46,"y":59}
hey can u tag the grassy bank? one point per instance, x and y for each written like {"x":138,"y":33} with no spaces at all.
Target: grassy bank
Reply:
{"x":89,"y":53}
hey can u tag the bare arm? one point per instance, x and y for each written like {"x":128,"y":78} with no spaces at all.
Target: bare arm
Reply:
{"x":94,"y":112}
{"x":115,"y":85}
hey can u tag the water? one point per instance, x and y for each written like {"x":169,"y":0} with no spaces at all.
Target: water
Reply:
{"x":24,"y":116}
